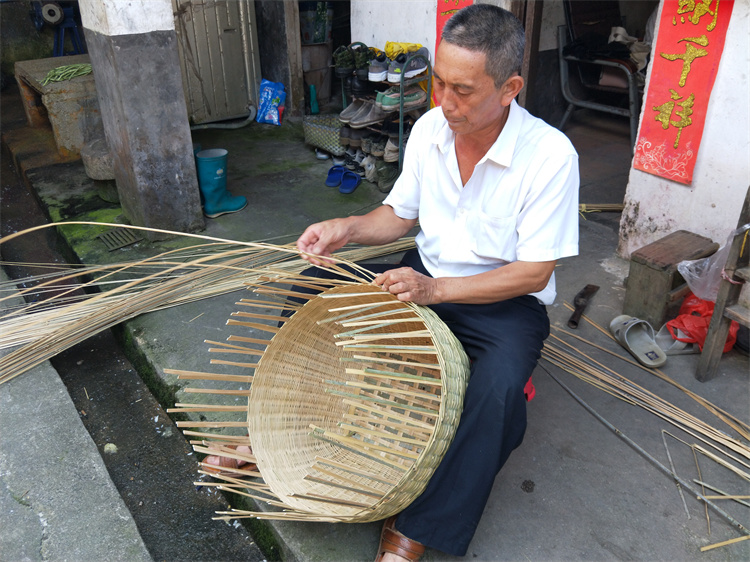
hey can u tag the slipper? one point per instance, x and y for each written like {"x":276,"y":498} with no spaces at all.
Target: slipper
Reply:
{"x":227,"y":466}
{"x":334,"y":176}
{"x":637,"y":336}
{"x":393,"y":542}
{"x":672,"y":346}
{"x":349,"y":182}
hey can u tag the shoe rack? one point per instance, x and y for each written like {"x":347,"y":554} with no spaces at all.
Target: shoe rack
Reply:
{"x":403,"y":85}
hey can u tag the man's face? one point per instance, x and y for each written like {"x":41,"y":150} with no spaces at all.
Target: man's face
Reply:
{"x":468,"y":96}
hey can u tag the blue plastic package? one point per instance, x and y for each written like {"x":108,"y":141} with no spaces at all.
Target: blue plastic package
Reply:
{"x":271,"y":105}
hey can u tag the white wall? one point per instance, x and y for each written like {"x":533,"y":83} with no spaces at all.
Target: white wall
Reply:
{"x":710,"y":206}
{"x":374,"y":22}
{"x":115,"y":17}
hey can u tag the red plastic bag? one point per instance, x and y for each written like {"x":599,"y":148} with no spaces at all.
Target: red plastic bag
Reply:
{"x":693,"y":320}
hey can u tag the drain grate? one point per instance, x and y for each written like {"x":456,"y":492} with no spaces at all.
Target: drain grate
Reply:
{"x":117,"y":238}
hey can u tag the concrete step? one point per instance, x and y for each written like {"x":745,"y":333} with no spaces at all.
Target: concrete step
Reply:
{"x":57,"y":501}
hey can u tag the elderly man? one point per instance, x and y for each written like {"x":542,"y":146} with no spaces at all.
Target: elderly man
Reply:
{"x":495,"y":192}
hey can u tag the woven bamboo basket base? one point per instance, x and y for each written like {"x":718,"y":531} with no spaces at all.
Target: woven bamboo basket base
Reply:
{"x":353,"y":403}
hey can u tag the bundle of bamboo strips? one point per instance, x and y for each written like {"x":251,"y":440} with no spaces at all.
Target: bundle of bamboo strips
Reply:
{"x":46,"y":328}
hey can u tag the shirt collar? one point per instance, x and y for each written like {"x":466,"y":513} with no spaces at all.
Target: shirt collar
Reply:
{"x":501,"y":152}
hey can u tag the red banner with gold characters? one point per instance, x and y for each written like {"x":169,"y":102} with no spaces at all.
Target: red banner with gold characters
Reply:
{"x":684,"y":62}
{"x":445,"y":9}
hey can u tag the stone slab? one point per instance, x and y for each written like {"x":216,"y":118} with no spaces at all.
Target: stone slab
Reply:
{"x":71,"y":106}
{"x":57,"y":501}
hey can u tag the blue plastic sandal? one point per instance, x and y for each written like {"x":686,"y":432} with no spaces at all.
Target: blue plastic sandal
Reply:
{"x":349,"y":182}
{"x":335,"y":174}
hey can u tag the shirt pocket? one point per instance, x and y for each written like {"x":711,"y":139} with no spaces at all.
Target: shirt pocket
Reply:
{"x":493,"y":238}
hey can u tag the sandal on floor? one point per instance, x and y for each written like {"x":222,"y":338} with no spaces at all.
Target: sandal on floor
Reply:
{"x":227,"y":466}
{"x":637,"y":336}
{"x":393,"y":542}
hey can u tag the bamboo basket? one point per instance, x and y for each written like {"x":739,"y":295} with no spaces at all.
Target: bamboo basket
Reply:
{"x":352,"y":405}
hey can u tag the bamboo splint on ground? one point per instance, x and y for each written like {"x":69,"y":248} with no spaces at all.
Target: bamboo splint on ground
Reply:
{"x":348,"y":432}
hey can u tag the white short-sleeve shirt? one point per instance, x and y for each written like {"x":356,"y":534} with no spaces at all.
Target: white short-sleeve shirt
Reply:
{"x":521,"y":202}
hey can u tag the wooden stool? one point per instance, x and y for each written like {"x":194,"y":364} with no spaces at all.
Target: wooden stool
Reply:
{"x":654,"y":286}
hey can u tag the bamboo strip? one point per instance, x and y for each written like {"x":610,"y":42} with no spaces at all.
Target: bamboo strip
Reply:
{"x":234,"y":363}
{"x":263,"y":327}
{"x":360,"y":452}
{"x":392,"y":375}
{"x":342,"y":487}
{"x":356,"y":309}
{"x":371,"y":421}
{"x":725,"y":543}
{"x":235,"y":439}
{"x":242,"y":347}
{"x":327,"y":499}
{"x":717,"y":490}
{"x":355,"y":443}
{"x":390,"y":415}
{"x":260,"y":316}
{"x":248,"y":340}
{"x":382,"y":401}
{"x":234,"y":350}
{"x":417,"y":350}
{"x":356,"y":486}
{"x":390,"y":336}
{"x":183,"y":408}
{"x":357,"y":472}
{"x":217,"y":391}
{"x":396,"y":392}
{"x":374,"y":359}
{"x":382,"y":434}
{"x":197,"y":375}
{"x":215,"y":424}
{"x":363,"y":306}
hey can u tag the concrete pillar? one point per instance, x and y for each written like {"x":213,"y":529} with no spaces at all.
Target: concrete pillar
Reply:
{"x":133,"y":50}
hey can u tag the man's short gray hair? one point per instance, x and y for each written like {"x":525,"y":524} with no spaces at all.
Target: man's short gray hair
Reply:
{"x":493,"y":31}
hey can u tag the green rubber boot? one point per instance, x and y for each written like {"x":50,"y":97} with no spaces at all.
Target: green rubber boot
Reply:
{"x":212,"y":180}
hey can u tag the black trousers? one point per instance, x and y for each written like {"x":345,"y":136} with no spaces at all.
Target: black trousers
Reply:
{"x":503,"y":341}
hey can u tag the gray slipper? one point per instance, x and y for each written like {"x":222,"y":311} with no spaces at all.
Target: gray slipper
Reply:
{"x":637,"y":336}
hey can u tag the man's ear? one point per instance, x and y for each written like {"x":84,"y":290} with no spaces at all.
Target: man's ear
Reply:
{"x":511,"y":88}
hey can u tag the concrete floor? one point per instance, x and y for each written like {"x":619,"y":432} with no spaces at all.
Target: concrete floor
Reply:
{"x":574,"y":490}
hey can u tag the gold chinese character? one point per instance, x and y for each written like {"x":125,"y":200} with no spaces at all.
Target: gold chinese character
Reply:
{"x":698,"y":9}
{"x":665,"y":113}
{"x":691,"y":53}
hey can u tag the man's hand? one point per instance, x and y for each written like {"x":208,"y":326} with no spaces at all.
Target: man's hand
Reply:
{"x":322,"y":239}
{"x":409,"y":285}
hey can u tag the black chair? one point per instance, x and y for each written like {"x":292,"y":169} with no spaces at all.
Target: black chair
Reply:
{"x":584,"y":54}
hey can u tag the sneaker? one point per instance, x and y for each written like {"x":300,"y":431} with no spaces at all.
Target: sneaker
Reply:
{"x":338,"y":160}
{"x":351,"y":110}
{"x":343,"y":61}
{"x":378,"y":147}
{"x":412,"y":98}
{"x":367,"y":143}
{"x":391,"y":150}
{"x":378,"y":69}
{"x":417,"y":63}
{"x":362,"y":120}
{"x":371,"y":173}
{"x":387,"y":175}
{"x":321,"y":154}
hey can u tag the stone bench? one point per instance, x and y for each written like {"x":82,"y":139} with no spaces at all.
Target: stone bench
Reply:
{"x":70,"y":107}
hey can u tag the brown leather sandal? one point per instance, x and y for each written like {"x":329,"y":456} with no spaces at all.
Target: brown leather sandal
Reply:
{"x":393,"y":542}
